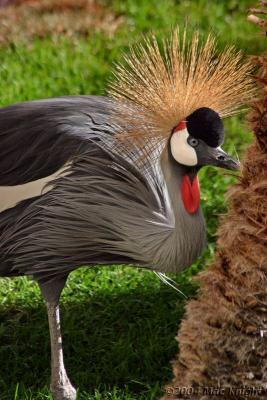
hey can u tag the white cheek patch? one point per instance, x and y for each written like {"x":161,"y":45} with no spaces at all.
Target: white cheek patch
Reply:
{"x":181,"y":151}
{"x":11,"y":195}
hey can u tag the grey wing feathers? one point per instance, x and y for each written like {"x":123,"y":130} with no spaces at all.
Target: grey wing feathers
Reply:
{"x":99,"y":210}
{"x":38,"y":137}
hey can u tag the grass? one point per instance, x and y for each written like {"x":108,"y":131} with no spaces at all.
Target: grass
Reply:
{"x":119,"y":323}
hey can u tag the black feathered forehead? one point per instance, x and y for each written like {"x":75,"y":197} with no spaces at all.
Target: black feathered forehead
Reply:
{"x":206,"y":124}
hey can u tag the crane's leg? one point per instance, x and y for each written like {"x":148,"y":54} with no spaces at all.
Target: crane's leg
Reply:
{"x":61,"y":386}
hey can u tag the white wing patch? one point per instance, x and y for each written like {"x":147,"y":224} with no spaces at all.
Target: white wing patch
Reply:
{"x":12,"y":195}
{"x":181,"y":151}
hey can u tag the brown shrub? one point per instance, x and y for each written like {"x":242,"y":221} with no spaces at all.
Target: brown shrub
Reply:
{"x":23,"y":20}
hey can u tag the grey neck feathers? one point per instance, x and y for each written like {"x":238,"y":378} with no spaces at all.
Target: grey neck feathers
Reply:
{"x":189,"y":236}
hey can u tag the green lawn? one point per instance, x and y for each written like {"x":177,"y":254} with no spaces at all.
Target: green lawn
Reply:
{"x":119,"y":323}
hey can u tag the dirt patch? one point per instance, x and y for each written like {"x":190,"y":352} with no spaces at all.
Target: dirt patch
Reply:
{"x":24,"y":20}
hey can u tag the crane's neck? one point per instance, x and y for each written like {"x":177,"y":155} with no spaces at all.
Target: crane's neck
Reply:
{"x":182,"y":183}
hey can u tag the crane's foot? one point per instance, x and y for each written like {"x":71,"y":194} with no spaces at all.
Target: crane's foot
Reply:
{"x":63,"y":392}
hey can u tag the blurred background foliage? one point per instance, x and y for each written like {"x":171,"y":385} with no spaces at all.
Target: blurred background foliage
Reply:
{"x":119,"y":323}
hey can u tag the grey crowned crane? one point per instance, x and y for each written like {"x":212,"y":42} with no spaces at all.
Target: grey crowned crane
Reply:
{"x":90,"y":180}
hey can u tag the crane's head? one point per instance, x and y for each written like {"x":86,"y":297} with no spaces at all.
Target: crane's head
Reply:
{"x":196,"y":141}
{"x":182,"y":87}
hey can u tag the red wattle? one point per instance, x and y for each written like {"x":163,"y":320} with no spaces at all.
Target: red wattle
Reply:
{"x":190,"y":194}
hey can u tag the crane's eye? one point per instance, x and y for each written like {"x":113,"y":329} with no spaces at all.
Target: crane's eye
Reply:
{"x":192,"y":141}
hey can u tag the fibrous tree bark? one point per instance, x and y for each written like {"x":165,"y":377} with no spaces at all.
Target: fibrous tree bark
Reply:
{"x":223,"y":338}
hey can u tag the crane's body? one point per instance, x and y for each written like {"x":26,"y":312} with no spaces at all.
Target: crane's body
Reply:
{"x":90,"y":180}
{"x":137,"y":209}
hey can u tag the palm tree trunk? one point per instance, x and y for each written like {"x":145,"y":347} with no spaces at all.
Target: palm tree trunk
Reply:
{"x":223,"y":338}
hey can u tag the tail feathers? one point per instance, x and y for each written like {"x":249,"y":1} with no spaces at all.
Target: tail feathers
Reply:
{"x":7,"y":270}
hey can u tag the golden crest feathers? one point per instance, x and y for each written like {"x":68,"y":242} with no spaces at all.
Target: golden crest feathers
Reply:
{"x":161,"y":83}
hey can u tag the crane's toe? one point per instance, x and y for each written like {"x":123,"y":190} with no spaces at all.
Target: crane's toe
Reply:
{"x":66,"y":392}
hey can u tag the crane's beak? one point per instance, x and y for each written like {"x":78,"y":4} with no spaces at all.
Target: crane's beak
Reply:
{"x":219,"y":158}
